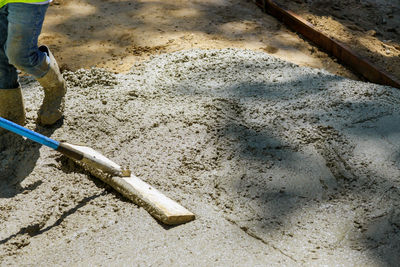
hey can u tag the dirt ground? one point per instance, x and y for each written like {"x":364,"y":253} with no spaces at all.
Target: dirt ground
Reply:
{"x":371,"y":28}
{"x":116,"y":34}
{"x":283,"y":165}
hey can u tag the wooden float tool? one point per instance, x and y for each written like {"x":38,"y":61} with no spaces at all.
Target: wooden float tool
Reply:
{"x":153,"y":201}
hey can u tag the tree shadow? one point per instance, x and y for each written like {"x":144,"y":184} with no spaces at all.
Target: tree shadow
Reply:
{"x":297,"y":153}
{"x":131,"y":19}
{"x":112,"y":40}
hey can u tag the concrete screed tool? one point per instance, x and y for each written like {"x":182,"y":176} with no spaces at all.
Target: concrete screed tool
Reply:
{"x":157,"y":204}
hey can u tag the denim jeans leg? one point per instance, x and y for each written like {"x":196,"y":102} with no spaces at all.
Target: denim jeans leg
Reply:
{"x":25,"y":23}
{"x":8,"y":73}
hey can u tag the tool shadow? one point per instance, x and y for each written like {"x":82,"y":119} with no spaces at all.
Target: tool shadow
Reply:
{"x":18,"y":158}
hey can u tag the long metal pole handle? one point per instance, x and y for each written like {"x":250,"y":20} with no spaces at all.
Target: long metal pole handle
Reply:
{"x":37,"y":137}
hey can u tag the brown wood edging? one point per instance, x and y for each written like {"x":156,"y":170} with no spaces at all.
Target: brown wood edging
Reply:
{"x":333,"y":47}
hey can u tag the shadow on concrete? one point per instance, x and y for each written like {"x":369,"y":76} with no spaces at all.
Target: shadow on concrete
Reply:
{"x":18,"y":158}
{"x":303,"y":154}
{"x":36,"y":229}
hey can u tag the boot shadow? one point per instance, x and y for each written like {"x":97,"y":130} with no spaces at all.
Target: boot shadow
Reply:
{"x":18,"y":158}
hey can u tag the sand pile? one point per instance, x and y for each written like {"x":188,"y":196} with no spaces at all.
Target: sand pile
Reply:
{"x":281,"y":164}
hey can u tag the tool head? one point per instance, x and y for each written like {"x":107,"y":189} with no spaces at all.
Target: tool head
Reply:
{"x":93,"y":159}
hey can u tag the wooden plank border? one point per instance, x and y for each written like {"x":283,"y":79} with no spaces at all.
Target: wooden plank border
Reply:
{"x":340,"y":51}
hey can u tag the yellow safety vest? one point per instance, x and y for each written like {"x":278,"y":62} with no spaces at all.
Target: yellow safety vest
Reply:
{"x":4,"y":2}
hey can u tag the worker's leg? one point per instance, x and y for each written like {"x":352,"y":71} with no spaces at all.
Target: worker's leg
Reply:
{"x":8,"y":73}
{"x":11,"y":102}
{"x":24,"y":26}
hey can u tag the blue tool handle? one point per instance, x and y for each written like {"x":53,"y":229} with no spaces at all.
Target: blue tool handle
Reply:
{"x":39,"y":138}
